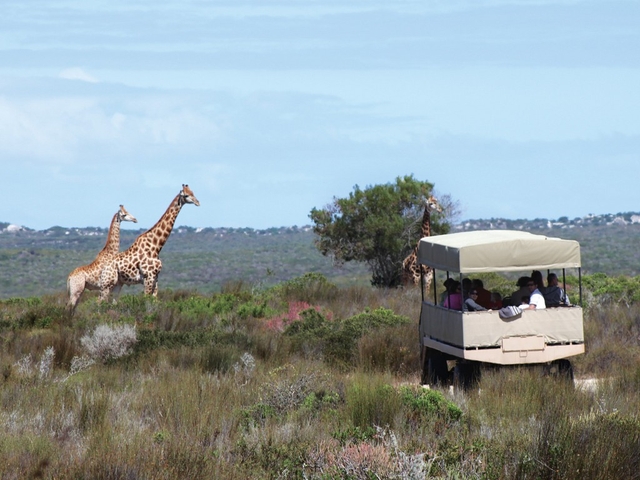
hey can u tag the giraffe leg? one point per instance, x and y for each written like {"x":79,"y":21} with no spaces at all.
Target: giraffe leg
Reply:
{"x":151,"y":284}
{"x":75,"y":287}
{"x":115,"y":293}
{"x":108,"y":281}
{"x":151,"y":279}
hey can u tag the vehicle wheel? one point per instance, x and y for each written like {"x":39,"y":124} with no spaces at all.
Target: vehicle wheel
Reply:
{"x":562,"y":369}
{"x":466,"y":375}
{"x":437,"y":369}
{"x":424,"y":375}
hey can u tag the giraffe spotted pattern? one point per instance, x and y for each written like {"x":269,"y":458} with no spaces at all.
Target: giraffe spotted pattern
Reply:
{"x":88,"y":277}
{"x":139,"y":264}
{"x":412,"y":272}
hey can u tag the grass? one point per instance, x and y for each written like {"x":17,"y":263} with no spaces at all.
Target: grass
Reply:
{"x":300,"y":380}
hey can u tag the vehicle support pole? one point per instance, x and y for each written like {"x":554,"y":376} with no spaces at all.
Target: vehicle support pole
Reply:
{"x":580,"y":283}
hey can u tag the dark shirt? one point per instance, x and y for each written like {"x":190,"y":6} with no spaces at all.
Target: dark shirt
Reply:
{"x":484,"y":297}
{"x":472,"y":306}
{"x":554,"y":296}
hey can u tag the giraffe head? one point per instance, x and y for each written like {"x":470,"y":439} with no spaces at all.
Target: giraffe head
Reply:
{"x":187,"y":196}
{"x":433,"y":205}
{"x":125,"y":216}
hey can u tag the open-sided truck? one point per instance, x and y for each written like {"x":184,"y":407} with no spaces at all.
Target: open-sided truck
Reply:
{"x":454,"y":344}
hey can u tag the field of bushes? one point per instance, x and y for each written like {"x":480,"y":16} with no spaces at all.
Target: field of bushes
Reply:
{"x":300,"y":379}
{"x":204,"y":260}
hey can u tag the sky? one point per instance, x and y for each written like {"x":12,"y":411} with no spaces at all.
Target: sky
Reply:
{"x":269,"y":108}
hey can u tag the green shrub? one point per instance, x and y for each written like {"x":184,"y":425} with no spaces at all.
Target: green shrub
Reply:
{"x":219,"y":358}
{"x":370,"y":402}
{"x":341,"y":342}
{"x":93,"y":410}
{"x":612,"y":289}
{"x":428,"y":402}
{"x":353,"y":434}
{"x":41,"y":315}
{"x":224,"y":303}
{"x":153,"y":339}
{"x":389,"y":349}
{"x":310,"y":287}
{"x":600,"y":446}
{"x":254,"y":310}
{"x":311,"y":324}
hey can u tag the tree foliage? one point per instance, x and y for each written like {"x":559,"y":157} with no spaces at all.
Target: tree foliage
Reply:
{"x":378,"y":225}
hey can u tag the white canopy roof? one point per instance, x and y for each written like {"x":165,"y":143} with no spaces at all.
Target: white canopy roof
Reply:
{"x":497,"y":250}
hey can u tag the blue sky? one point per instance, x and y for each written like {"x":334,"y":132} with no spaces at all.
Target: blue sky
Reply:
{"x":516,"y":109}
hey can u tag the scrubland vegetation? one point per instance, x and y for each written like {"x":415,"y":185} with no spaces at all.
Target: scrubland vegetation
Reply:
{"x":303,"y":379}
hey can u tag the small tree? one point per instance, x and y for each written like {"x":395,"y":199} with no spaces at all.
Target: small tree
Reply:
{"x":379,"y":225}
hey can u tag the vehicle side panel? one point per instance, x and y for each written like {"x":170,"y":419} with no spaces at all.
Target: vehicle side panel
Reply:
{"x":454,"y":331}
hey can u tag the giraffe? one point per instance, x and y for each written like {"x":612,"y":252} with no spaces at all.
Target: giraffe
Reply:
{"x":139,"y":264}
{"x":410,"y":271}
{"x":87,"y":277}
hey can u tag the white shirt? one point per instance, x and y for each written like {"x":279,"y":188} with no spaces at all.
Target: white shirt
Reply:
{"x":538,"y":300}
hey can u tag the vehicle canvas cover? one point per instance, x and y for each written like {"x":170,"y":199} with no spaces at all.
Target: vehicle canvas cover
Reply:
{"x":497,"y":250}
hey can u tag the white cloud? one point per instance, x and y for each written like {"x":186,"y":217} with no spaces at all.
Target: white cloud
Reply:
{"x":61,"y":127}
{"x":77,"y":73}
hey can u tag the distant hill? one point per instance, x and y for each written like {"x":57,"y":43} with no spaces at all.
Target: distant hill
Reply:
{"x":36,"y":262}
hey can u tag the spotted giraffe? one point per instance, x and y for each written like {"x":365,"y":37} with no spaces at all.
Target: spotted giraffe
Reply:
{"x":139,"y":264}
{"x":87,"y":277}
{"x":411,"y":271}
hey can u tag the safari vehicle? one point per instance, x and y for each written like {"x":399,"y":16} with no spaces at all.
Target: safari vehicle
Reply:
{"x":454,"y":344}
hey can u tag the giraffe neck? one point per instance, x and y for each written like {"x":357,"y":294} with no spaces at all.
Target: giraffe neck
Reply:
{"x":426,"y":223}
{"x":113,"y":237}
{"x":425,"y":231}
{"x":157,"y":236}
{"x":423,"y":270}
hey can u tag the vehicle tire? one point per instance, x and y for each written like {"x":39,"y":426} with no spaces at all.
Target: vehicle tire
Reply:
{"x":466,"y":375}
{"x":563,"y":370}
{"x":437,"y":370}
{"x":424,"y":375}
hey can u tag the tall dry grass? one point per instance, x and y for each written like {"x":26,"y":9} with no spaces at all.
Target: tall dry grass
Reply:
{"x":222,"y":386}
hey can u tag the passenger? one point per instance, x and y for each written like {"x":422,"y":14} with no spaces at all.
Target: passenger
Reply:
{"x":467,"y":286}
{"x":524,"y":302}
{"x":470,"y":303}
{"x":536,"y":276}
{"x":496,"y":301}
{"x":536,"y":300}
{"x":484,"y":295}
{"x":454,"y":297}
{"x":509,"y":302}
{"x":522,"y":291}
{"x":554,"y":296}
{"x":447,"y":283}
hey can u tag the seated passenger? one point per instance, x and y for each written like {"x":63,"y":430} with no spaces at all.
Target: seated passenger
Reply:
{"x":496,"y":301}
{"x":470,"y":303}
{"x":467,"y":286}
{"x":554,"y":296}
{"x":508,"y":301}
{"x":484,"y":295}
{"x":524,"y":302}
{"x":454,"y":297}
{"x":521,"y":292}
{"x":447,"y":283}
{"x":536,"y":300}
{"x":536,"y":276}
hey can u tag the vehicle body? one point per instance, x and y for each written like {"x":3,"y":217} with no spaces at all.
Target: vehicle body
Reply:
{"x":547,"y":337}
